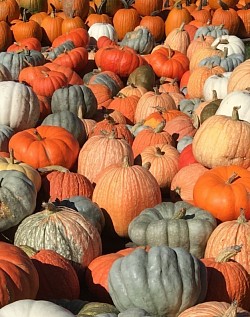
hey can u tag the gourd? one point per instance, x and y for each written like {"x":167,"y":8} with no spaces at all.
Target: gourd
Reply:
{"x":177,"y":224}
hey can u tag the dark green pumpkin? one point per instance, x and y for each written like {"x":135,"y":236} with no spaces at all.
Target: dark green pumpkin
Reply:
{"x":142,"y":76}
{"x":96,"y":308}
{"x":78,"y":99}
{"x":69,"y":121}
{"x":211,"y":108}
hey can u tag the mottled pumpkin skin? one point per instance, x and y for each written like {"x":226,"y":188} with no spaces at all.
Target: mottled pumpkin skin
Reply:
{"x":144,"y":280}
{"x":64,"y":231}
{"x":158,"y":226}
{"x":18,"y":198}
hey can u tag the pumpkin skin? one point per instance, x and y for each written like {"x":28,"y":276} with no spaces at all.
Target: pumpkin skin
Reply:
{"x":29,"y":307}
{"x":223,"y":190}
{"x":177,"y":224}
{"x":44,"y":146}
{"x":140,"y":284}
{"x":18,"y":198}
{"x":6,"y":133}
{"x":239,"y":233}
{"x":119,"y":203}
{"x":214,"y":308}
{"x":227,"y":279}
{"x":82,"y":242}
{"x":53,"y":267}
{"x":24,"y":102}
{"x":18,"y":275}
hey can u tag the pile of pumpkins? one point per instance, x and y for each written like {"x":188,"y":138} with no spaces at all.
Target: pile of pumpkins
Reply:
{"x":124,"y":158}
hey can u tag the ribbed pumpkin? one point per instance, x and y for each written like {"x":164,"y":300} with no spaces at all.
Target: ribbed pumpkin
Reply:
{"x":178,"y":39}
{"x":18,"y":275}
{"x":148,"y":137}
{"x":223,"y":190}
{"x":6,"y":36}
{"x":199,"y":42}
{"x":102,"y":93}
{"x":62,"y":184}
{"x":49,"y":227}
{"x":45,"y":145}
{"x":51,"y":268}
{"x":120,"y":203}
{"x":180,"y":126}
{"x":187,"y":276}
{"x":214,"y":308}
{"x":80,"y":8}
{"x":239,"y":233}
{"x":10,"y":9}
{"x":149,"y":102}
{"x":107,"y":150}
{"x":239,"y":80}
{"x":227,"y":279}
{"x":228,"y":148}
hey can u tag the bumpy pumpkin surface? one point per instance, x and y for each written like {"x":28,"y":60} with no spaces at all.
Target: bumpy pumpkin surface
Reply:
{"x":177,"y":224}
{"x":163,"y":281}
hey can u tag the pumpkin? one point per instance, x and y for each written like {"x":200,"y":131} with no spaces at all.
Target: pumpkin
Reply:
{"x":233,"y":43}
{"x":45,"y":145}
{"x":80,"y":8}
{"x":10,"y":9}
{"x":174,"y":225}
{"x":72,"y":22}
{"x":188,"y":275}
{"x":214,"y":308}
{"x":30,"y":43}
{"x":29,"y":307}
{"x":227,"y":180}
{"x":51,"y":267}
{"x":178,"y":39}
{"x":183,"y":182}
{"x":222,"y":284}
{"x":82,"y":242}
{"x":211,"y":30}
{"x":98,"y":16}
{"x":5,"y":134}
{"x":163,"y":159}
{"x":179,"y":127}
{"x":220,"y":239}
{"x":239,"y":79}
{"x":142,"y":76}
{"x":147,"y":7}
{"x":102,"y":93}
{"x":243,"y":30}
{"x":125,"y":19}
{"x":141,"y":40}
{"x":86,"y":208}
{"x":19,"y":276}
{"x":52,"y":53}
{"x":61,"y":184}
{"x":111,"y":150}
{"x":110,"y":6}
{"x":98,"y":308}
{"x":218,"y":83}
{"x":78,"y":99}
{"x":6,"y":37}
{"x":224,"y":154}
{"x":78,"y":36}
{"x":199,"y":42}
{"x":119,"y":203}
{"x":155,"y":24}
{"x":99,"y":29}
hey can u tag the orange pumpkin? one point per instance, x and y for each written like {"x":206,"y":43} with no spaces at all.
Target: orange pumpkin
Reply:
{"x":223,"y":191}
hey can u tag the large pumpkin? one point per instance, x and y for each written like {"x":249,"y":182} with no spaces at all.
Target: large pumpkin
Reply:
{"x":45,"y":145}
{"x":19,"y":278}
{"x":174,"y":224}
{"x":113,"y":193}
{"x":63,"y":230}
{"x":149,"y":283}
{"x":228,"y":148}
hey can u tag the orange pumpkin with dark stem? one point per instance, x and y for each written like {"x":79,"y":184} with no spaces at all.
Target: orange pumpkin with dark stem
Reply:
{"x":6,"y":36}
{"x":227,"y":279}
{"x":176,"y":17}
{"x":78,"y":36}
{"x":72,"y":22}
{"x":155,"y":24}
{"x":223,"y":191}
{"x":31,"y":43}
{"x":44,"y":146}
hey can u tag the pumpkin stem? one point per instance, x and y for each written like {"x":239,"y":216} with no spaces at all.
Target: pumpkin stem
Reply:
{"x":223,"y":5}
{"x":159,"y":128}
{"x":159,"y":151}
{"x":235,"y":113}
{"x":232,"y":310}
{"x":99,"y":9}
{"x":125,"y":162}
{"x":108,"y":118}
{"x":146,"y":165}
{"x":215,"y":96}
{"x":39,"y":137}
{"x":242,"y":218}
{"x":51,"y":168}
{"x":49,"y":207}
{"x":137,"y":125}
{"x":226,"y":254}
{"x":179,"y":214}
{"x":121,"y":95}
{"x":28,"y":250}
{"x":156,"y":90}
{"x":11,"y":156}
{"x":232,"y":178}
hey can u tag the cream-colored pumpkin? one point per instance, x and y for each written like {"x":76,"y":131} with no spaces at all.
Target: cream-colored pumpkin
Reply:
{"x":234,"y":44}
{"x":19,"y":106}
{"x":241,"y":98}
{"x":216,"y":82}
{"x":101,"y":29}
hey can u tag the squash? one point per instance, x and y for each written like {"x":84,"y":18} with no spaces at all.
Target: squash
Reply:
{"x":177,"y":224}
{"x":148,"y":283}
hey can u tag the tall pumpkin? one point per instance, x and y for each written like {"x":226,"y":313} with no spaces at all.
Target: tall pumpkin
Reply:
{"x":121,"y":204}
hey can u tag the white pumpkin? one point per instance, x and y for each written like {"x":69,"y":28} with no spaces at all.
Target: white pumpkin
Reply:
{"x":218,"y":83}
{"x":234,"y":44}
{"x":19,"y":106}
{"x":236,"y":98}
{"x":100,"y":29}
{"x":34,"y":308}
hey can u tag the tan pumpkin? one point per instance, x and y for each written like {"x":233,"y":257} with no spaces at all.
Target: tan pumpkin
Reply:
{"x":239,"y":78}
{"x":178,"y":39}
